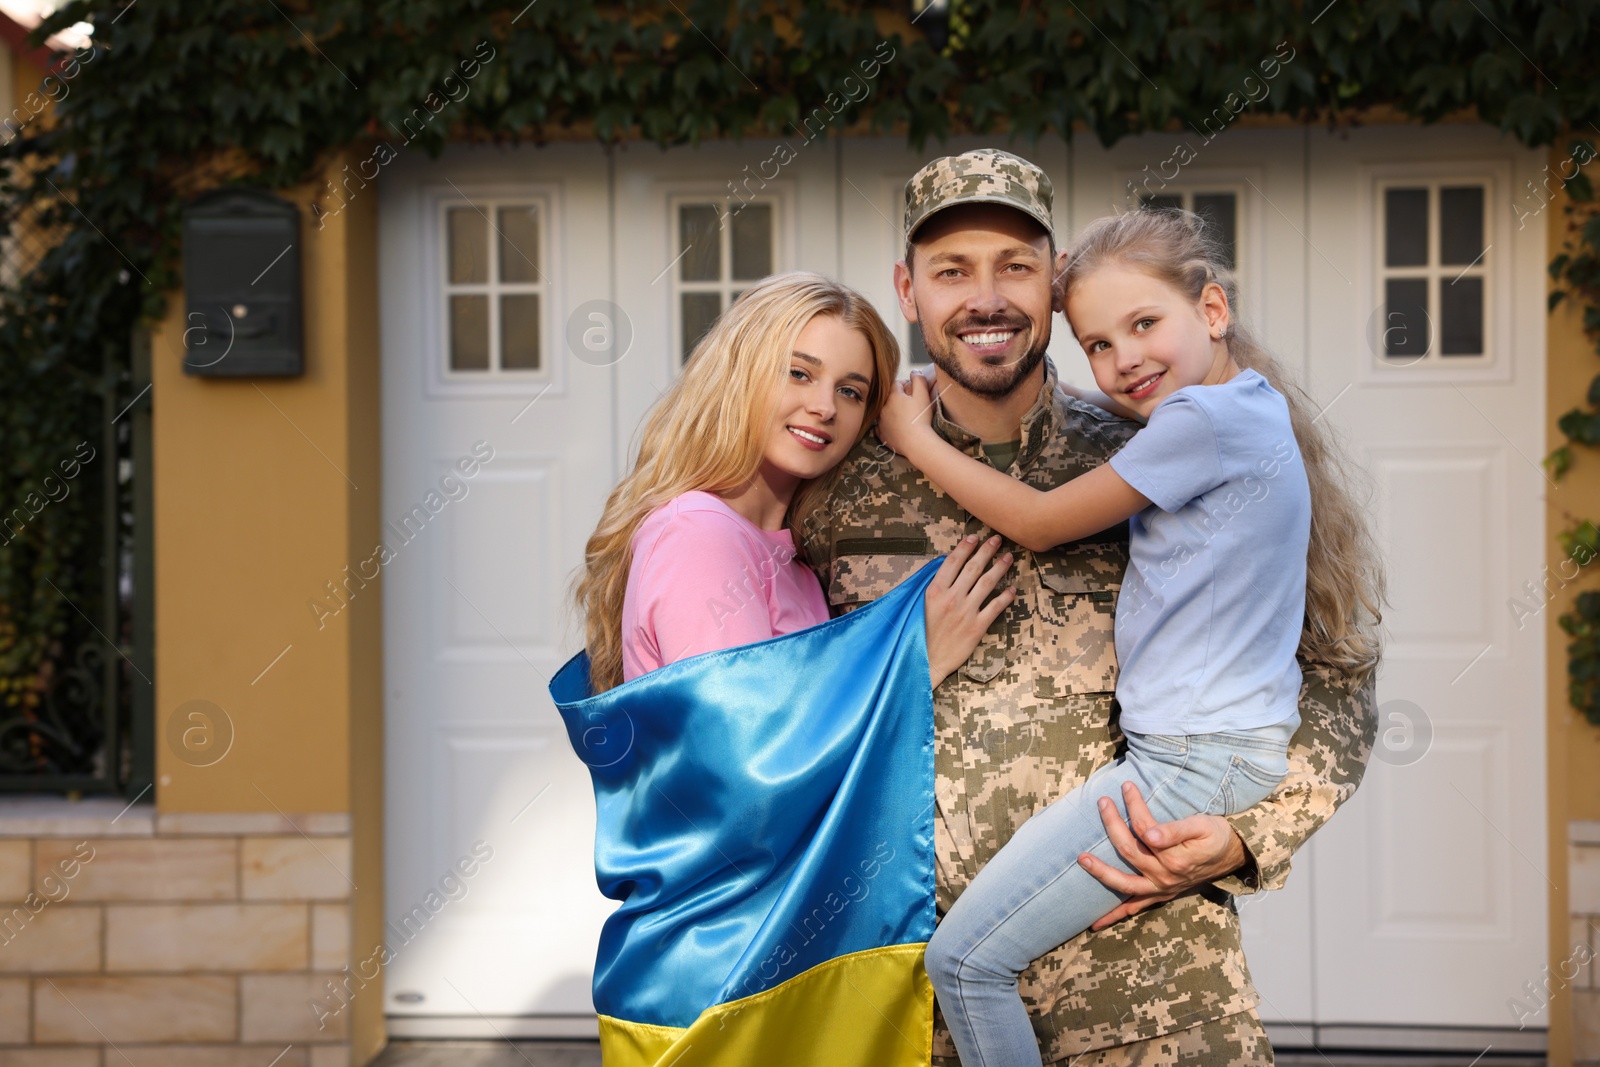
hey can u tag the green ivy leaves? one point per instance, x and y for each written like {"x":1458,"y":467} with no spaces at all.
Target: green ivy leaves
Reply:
{"x":263,"y":92}
{"x":1582,"y":624}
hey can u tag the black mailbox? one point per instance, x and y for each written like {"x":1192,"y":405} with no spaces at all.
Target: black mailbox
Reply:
{"x":241,"y":285}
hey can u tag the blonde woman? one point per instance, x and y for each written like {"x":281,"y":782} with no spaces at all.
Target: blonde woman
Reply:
{"x":696,"y":549}
{"x":763,"y":776}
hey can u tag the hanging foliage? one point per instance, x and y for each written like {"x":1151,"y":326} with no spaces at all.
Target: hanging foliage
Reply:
{"x":176,"y":95}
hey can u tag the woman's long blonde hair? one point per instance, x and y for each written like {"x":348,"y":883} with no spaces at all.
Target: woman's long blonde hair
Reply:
{"x":709,"y":431}
{"x":1344,"y":574}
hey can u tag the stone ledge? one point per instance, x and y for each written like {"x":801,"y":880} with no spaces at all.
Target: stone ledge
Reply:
{"x":33,"y":815}
{"x":253,"y":823}
{"x":42,"y":815}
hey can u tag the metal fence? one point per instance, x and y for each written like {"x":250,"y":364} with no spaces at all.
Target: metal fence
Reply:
{"x":89,"y":727}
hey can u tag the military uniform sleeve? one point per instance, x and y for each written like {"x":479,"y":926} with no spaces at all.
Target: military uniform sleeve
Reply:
{"x":1327,"y":758}
{"x":814,"y":538}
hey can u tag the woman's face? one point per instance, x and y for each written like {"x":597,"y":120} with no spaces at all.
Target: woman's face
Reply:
{"x":823,"y":401}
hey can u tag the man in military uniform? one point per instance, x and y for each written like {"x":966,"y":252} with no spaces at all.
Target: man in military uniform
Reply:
{"x":1030,"y":715}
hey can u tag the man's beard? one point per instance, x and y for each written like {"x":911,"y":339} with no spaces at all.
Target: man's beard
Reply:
{"x":991,"y":380}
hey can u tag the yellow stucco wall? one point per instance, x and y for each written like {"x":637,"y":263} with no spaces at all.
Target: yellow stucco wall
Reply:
{"x":1573,"y":365}
{"x":1573,"y":753}
{"x":264,"y":490}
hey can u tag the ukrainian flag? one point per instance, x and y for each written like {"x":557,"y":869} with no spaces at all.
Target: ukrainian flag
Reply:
{"x":765,"y":815}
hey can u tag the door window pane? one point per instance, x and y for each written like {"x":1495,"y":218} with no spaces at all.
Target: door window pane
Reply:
{"x":718,"y":254}
{"x":519,"y":244}
{"x":1460,"y":225}
{"x":1434,"y":274}
{"x":469,"y":246}
{"x":1405,"y":239}
{"x":469,"y":333}
{"x":752,"y":242}
{"x":1406,"y":332}
{"x":493,"y":288}
{"x":700,"y":243}
{"x":699,"y":311}
{"x":519,"y":331}
{"x":1461,"y":309}
{"x":1221,"y":211}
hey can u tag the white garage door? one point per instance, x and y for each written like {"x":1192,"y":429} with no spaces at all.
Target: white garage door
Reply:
{"x":510,"y":277}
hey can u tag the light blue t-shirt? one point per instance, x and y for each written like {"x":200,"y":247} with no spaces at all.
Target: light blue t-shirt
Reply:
{"x":1212,"y":606}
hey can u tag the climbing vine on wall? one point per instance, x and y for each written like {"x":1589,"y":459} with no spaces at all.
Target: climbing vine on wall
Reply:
{"x":178,"y":95}
{"x":1575,"y":272}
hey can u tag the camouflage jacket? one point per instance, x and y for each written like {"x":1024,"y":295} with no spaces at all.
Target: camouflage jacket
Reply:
{"x":1031,"y":715}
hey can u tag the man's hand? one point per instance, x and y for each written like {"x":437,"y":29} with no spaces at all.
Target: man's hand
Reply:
{"x":1171,"y":858}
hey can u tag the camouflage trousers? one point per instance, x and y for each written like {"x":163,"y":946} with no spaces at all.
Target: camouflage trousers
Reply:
{"x":1234,"y":1039}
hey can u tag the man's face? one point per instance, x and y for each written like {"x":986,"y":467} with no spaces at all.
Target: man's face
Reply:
{"x":980,"y":291}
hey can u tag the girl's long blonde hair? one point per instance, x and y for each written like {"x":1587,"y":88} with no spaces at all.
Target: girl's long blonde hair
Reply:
{"x":709,"y":431}
{"x":1344,"y":573}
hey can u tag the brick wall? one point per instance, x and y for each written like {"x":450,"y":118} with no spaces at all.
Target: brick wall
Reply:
{"x":170,"y":939}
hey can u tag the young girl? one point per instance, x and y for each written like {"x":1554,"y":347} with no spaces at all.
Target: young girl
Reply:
{"x":1211,"y":609}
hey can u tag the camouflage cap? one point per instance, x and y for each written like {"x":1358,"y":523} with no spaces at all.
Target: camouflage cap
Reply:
{"x":982,"y":176}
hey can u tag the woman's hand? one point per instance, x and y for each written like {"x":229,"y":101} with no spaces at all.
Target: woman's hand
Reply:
{"x":955,"y":610}
{"x":907,"y":413}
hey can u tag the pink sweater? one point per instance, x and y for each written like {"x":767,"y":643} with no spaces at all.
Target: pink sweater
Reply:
{"x":704,"y":577}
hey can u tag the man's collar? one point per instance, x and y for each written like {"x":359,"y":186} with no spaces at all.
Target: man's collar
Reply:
{"x":1038,"y":422}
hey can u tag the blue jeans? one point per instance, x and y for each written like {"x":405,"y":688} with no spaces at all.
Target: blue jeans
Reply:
{"x":1033,"y":896}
